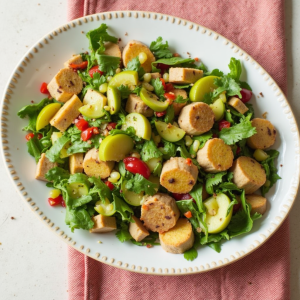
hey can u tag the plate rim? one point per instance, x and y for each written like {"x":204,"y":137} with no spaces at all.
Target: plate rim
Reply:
{"x":41,"y":43}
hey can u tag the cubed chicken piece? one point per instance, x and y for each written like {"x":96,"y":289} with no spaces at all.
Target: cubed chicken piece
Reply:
{"x":43,"y":166}
{"x":65,"y":84}
{"x":237,"y":104}
{"x":178,"y":106}
{"x":248,"y":174}
{"x":93,"y":166}
{"x":184,"y":75}
{"x":112,"y":49}
{"x":178,"y":175}
{"x":159,"y":212}
{"x":215,"y":156}
{"x":133,"y":49}
{"x":265,"y":134}
{"x":258,"y":203}
{"x":135,"y":104}
{"x":76,"y":163}
{"x":75,"y":59}
{"x":103,"y":224}
{"x":178,"y":239}
{"x":196,"y":118}
{"x":155,"y":75}
{"x":137,"y":230}
{"x":66,"y":114}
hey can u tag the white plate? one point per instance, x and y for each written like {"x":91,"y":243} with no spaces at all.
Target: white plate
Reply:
{"x":43,"y":61}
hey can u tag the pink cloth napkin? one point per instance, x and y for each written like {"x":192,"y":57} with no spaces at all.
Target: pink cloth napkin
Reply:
{"x":258,"y":27}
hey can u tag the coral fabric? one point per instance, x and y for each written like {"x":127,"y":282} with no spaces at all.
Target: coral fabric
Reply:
{"x":257,"y":26}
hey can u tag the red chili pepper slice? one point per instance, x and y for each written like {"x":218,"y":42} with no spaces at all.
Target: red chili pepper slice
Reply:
{"x":163,"y":82}
{"x":80,"y":66}
{"x":160,"y":114}
{"x":29,"y":136}
{"x":55,"y":201}
{"x":88,"y":133}
{"x":110,"y":185}
{"x":137,"y":166}
{"x":111,"y":125}
{"x":82,"y":124}
{"x":44,"y":89}
{"x":169,"y":87}
{"x":93,"y":70}
{"x":169,"y":96}
{"x":224,"y":124}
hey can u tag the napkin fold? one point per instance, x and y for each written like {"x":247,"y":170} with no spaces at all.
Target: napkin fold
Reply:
{"x":257,"y":27}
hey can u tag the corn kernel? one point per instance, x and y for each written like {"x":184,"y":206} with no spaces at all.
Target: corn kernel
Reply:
{"x":148,"y":86}
{"x":166,"y":77}
{"x":109,"y":78}
{"x":107,"y":108}
{"x":142,"y":57}
{"x":135,"y":154}
{"x":147,"y":77}
{"x":103,"y":88}
{"x":54,"y":193}
{"x":196,"y":145}
{"x":118,"y":70}
{"x":188,"y":140}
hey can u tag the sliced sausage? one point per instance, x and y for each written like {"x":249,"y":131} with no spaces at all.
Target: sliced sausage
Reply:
{"x":184,"y":75}
{"x":135,"y":104}
{"x":237,"y":104}
{"x":265,"y":136}
{"x":75,"y":59}
{"x":93,"y":166}
{"x":103,"y":224}
{"x":179,"y":238}
{"x":66,"y":114}
{"x":112,"y":49}
{"x":178,"y":175}
{"x":178,"y":106}
{"x":159,"y":212}
{"x":65,"y":84}
{"x":215,"y":156}
{"x":76,"y":163}
{"x":133,"y":49}
{"x":248,"y":174}
{"x":258,"y":203}
{"x":196,"y":118}
{"x":137,"y":230}
{"x":43,"y":166}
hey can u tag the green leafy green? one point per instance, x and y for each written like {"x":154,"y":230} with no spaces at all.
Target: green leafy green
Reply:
{"x":170,"y":115}
{"x":149,"y":151}
{"x":140,"y":184}
{"x":271,"y":170}
{"x":180,"y":99}
{"x":237,"y":132}
{"x":203,"y":138}
{"x":196,"y":194}
{"x":135,"y":65}
{"x":34,"y":148}
{"x":235,"y":68}
{"x":228,"y":84}
{"x":208,"y":98}
{"x":100,"y":189}
{"x":78,"y":218}
{"x":122,"y":208}
{"x":92,"y":83}
{"x":158,"y":87}
{"x":169,"y":150}
{"x":53,"y":154}
{"x":31,"y":111}
{"x":57,"y":174}
{"x":107,"y":63}
{"x":123,"y":234}
{"x":190,"y":254}
{"x":172,"y":61}
{"x":215,"y":72}
{"x":181,"y":86}
{"x":213,"y":179}
{"x":160,"y":49}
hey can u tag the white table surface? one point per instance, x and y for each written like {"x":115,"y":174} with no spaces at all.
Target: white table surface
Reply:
{"x":33,"y":261}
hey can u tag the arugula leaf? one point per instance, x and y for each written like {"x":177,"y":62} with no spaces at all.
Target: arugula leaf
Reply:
{"x":122,"y":208}
{"x":140,"y":184}
{"x":32,"y":111}
{"x":228,"y":84}
{"x":235,"y":68}
{"x":196,"y":194}
{"x":98,"y":36}
{"x":123,"y":234}
{"x":100,"y":189}
{"x":149,"y":151}
{"x":172,"y":61}
{"x":237,"y":132}
{"x":190,"y":254}
{"x":79,"y":146}
{"x":241,"y":222}
{"x":213,"y":179}
{"x":107,"y":63}
{"x":215,"y":72}
{"x":57,"y":174}
{"x":53,"y":154}
{"x":158,"y":87}
{"x":271,"y":170}
{"x":159,"y":49}
{"x":77,"y":202}
{"x":203,"y":138}
{"x":78,"y":218}
{"x":170,"y":115}
{"x":135,"y":65}
{"x":34,"y":148}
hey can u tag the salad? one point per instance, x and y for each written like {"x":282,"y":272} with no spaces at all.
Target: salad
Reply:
{"x":152,"y":145}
